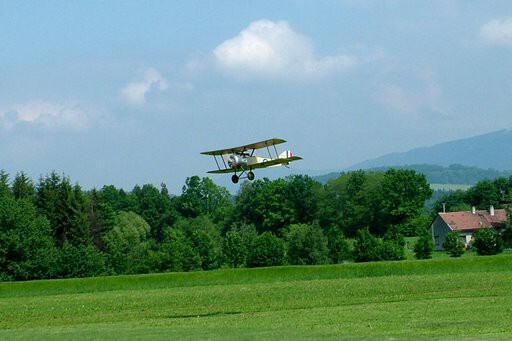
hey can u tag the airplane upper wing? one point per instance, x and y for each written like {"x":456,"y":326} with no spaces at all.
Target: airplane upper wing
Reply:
{"x":265,"y":164}
{"x":240,"y":149}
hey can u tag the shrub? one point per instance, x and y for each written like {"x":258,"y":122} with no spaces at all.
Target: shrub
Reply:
{"x":234,"y":250}
{"x":175,"y":253}
{"x":339,"y":248}
{"x":424,"y":247}
{"x":365,"y":246}
{"x":390,"y":250}
{"x":488,"y":242}
{"x":80,"y":261}
{"x":237,"y":244}
{"x":453,"y":245}
{"x":268,"y":250}
{"x":392,"y":245}
{"x":306,"y":245}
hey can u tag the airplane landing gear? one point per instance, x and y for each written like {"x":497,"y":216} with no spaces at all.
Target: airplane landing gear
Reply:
{"x":235,"y":178}
{"x":250,"y":176}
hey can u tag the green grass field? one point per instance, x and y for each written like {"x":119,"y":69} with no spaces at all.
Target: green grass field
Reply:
{"x":466,"y":298}
{"x":449,"y":187}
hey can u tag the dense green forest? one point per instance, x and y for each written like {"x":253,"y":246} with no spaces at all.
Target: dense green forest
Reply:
{"x":453,"y":174}
{"x":53,"y":228}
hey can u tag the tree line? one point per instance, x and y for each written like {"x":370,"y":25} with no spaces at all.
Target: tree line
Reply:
{"x":435,"y":174}
{"x":53,"y":228}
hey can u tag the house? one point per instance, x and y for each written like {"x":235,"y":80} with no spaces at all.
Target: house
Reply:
{"x":465,"y":223}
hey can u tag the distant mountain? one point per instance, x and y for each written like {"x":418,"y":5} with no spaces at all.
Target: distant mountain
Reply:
{"x":488,"y":151}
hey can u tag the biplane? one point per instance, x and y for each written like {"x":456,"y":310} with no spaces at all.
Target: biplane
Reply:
{"x":241,"y":160}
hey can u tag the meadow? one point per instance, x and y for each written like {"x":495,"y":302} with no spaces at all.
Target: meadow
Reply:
{"x":469,"y":297}
{"x":449,"y":187}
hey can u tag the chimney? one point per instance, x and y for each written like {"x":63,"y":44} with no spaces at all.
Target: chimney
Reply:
{"x":491,"y":210}
{"x":444,"y":207}
{"x":473,"y":210}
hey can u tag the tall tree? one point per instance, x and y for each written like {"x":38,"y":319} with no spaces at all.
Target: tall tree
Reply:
{"x":156,"y":207}
{"x":266,"y":205}
{"x":5,"y":190}
{"x":23,"y":187}
{"x":65,"y":206}
{"x":102,"y":218}
{"x":404,"y":194}
{"x":301,"y":191}
{"x":200,"y":196}
{"x":27,"y":250}
{"x":352,"y":202}
{"x":483,"y":194}
{"x":127,"y":244}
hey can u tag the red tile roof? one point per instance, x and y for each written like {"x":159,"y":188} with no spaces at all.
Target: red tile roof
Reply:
{"x":460,"y":221}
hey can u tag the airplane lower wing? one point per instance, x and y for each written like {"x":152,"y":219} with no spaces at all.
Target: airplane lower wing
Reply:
{"x":275,"y":162}
{"x":269,"y":163}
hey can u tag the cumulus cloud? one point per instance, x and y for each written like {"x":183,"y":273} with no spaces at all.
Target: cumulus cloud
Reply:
{"x":497,"y":31}
{"x":48,"y":115}
{"x":267,"y":49}
{"x":134,"y":93}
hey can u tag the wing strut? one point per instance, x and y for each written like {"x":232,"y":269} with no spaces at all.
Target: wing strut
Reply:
{"x":216,"y":162}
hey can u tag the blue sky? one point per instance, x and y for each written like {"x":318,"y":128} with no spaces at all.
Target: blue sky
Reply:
{"x":129,"y":92}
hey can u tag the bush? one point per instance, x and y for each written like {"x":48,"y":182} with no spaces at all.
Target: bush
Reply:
{"x":81,"y":261}
{"x":268,"y":250}
{"x":488,"y":242}
{"x":368,"y":248}
{"x":392,"y":245}
{"x":307,"y":245}
{"x":175,"y":253}
{"x":424,"y":247}
{"x":237,"y":245}
{"x":204,"y":238}
{"x":339,"y":248}
{"x":453,"y":245}
{"x":390,"y":250}
{"x":365,"y":246}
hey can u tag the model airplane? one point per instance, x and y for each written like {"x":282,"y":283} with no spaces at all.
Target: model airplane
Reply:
{"x":241,"y":160}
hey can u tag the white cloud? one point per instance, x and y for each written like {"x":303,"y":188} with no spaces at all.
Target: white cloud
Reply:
{"x":134,"y":93}
{"x":267,"y":49}
{"x":48,"y":115}
{"x":497,"y":31}
{"x":422,"y":92}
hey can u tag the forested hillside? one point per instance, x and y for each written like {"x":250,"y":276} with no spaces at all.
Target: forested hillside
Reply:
{"x":53,"y":228}
{"x":435,"y":174}
{"x":491,"y":150}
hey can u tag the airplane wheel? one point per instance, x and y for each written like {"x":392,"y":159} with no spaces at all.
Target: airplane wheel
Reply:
{"x":250,"y":176}
{"x":234,"y":178}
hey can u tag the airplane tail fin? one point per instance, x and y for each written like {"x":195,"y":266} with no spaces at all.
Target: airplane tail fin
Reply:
{"x":286,"y":154}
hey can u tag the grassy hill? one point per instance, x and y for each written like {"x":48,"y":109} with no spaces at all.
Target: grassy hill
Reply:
{"x":450,"y":298}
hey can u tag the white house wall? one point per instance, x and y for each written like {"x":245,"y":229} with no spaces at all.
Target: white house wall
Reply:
{"x":439,"y":231}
